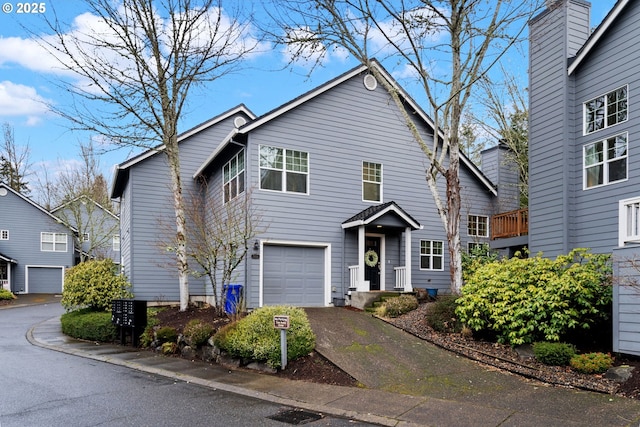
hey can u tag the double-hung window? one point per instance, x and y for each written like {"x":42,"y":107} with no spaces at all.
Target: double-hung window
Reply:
{"x":606,"y":110}
{"x":115,"y":243}
{"x":53,"y":242}
{"x":605,"y":161}
{"x":371,"y":182}
{"x":431,"y":255}
{"x":478,"y":226}
{"x":284,"y":170}
{"x":629,"y":221}
{"x":233,"y":177}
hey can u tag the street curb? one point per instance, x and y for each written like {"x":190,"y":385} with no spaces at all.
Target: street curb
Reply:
{"x":216,"y":385}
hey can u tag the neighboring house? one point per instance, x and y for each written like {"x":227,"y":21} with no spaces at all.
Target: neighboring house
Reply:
{"x":35,"y":246}
{"x":339,"y":183}
{"x":98,"y":229}
{"x":584,"y":179}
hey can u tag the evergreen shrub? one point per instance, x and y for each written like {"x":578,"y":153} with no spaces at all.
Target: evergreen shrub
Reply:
{"x":87,"y":324}
{"x":537,"y":299}
{"x":6,"y":295}
{"x":198,"y":332}
{"x":254,"y":338}
{"x":553,"y":353}
{"x":592,"y":363}
{"x":94,"y":285}
{"x":397,"y":306}
{"x":442,"y":315}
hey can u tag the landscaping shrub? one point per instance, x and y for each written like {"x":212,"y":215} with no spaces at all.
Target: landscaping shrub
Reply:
{"x":6,"y":295}
{"x":166,"y":334}
{"x":94,"y":284}
{"x":525,"y":300}
{"x":441,"y":315}
{"x":254,"y":337}
{"x":397,"y":306}
{"x":89,"y":325}
{"x":591,"y":363}
{"x":477,"y":257}
{"x":553,"y":353}
{"x":197,"y":332}
{"x":147,"y":337}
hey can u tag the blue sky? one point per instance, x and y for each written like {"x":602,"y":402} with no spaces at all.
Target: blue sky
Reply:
{"x":26,"y":78}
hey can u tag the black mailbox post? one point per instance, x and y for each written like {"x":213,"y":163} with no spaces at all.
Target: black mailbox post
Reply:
{"x":130,"y":316}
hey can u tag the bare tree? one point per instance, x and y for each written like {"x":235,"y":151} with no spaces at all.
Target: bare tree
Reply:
{"x":15,"y":165}
{"x":220,"y":235}
{"x":446,"y":45}
{"x":137,"y":64}
{"x":506,"y":106}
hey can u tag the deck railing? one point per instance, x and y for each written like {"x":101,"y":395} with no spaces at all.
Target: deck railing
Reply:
{"x":401,"y":277}
{"x":510,"y":224}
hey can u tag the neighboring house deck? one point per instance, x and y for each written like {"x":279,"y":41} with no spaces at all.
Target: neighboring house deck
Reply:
{"x":584,"y":179}
{"x":35,"y":246}
{"x":339,"y":184}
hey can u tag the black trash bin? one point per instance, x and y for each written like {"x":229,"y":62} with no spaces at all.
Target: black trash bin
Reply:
{"x":233,"y":298}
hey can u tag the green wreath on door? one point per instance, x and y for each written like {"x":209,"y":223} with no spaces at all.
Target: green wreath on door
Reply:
{"x":371,"y":258}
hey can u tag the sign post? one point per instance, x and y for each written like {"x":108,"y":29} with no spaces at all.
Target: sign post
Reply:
{"x":282,"y":322}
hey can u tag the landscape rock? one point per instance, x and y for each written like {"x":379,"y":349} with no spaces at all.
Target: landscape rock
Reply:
{"x":261,"y":367}
{"x":188,"y":352}
{"x":620,"y":373}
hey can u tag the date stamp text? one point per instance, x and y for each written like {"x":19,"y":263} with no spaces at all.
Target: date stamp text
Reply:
{"x":24,"y":8}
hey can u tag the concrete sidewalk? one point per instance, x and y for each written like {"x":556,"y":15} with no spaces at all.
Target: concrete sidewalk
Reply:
{"x":408,"y":382}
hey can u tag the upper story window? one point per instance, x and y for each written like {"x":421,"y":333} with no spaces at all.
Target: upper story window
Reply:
{"x":53,"y":242}
{"x":371,"y":182}
{"x":284,"y":170}
{"x":478,"y":225}
{"x":233,"y":177}
{"x":605,"y":110}
{"x":85,"y":237}
{"x":605,"y":161}
{"x":629,"y":221}
{"x":115,"y":243}
{"x":431,"y":255}
{"x":4,"y":234}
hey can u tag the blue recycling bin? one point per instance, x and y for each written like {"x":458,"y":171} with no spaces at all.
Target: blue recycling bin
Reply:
{"x":233,"y":295}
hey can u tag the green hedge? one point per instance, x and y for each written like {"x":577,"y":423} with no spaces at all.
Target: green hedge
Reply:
{"x":254,"y":337}
{"x":89,"y":325}
{"x":537,"y":299}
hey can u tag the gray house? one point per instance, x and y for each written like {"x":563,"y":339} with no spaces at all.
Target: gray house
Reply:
{"x":35,"y":246}
{"x":584,"y":187}
{"x":98,"y":229}
{"x":339,"y":182}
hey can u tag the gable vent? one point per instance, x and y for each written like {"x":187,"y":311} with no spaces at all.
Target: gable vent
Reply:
{"x":3,"y":191}
{"x":239,"y":121}
{"x":370,"y":82}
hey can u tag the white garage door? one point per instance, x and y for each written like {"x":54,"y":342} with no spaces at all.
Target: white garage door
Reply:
{"x":44,"y":280}
{"x":293,"y":275}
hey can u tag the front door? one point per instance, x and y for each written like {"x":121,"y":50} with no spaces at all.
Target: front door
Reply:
{"x":372,"y":262}
{"x":4,"y":276}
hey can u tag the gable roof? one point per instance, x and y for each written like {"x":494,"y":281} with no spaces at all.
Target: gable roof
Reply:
{"x":372,"y":213}
{"x":37,"y":206}
{"x":82,"y":196}
{"x":273,"y":114}
{"x":595,"y":37}
{"x":8,"y":259}
{"x":121,"y":172}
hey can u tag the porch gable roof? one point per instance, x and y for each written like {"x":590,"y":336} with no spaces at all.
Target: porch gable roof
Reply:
{"x":372,"y":213}
{"x":7,"y":259}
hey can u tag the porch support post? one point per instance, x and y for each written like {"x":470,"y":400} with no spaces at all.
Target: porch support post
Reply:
{"x":408,"y":287}
{"x":361,"y":243}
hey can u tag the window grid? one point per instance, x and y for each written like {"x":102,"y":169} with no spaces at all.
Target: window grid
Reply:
{"x":629,"y":221}
{"x":605,"y":161}
{"x":371,"y":182}
{"x":53,"y":242}
{"x":606,"y":110}
{"x":233,"y":177}
{"x":4,"y":234}
{"x":431,"y":255}
{"x":284,"y":170}
{"x":115,"y":243}
{"x":478,"y":226}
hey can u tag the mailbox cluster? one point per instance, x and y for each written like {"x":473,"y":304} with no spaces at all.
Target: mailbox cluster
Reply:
{"x":130,"y":316}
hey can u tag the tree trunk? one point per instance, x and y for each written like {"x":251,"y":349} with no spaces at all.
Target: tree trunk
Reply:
{"x":453,"y":223}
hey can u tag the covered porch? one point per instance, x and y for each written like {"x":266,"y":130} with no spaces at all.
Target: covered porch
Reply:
{"x":5,"y":271}
{"x":380,"y":259}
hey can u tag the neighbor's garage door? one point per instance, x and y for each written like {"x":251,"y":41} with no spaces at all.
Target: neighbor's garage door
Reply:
{"x":44,"y":280}
{"x":293,"y":275}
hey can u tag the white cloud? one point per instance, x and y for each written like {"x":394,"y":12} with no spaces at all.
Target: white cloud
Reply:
{"x":21,"y":100}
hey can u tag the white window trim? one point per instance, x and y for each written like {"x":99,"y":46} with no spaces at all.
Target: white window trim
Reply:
{"x":373,"y":182}
{"x":420,"y":255}
{"x":624,"y":237}
{"x":605,"y":164}
{"x":244,"y":169}
{"x":606,"y":125}
{"x":486,"y":227}
{"x":66,"y":241}
{"x":4,"y":234}
{"x":115,"y":246}
{"x":284,"y":171}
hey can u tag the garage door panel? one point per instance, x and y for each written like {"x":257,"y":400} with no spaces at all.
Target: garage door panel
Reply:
{"x":293,"y":276}
{"x":44,"y":280}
